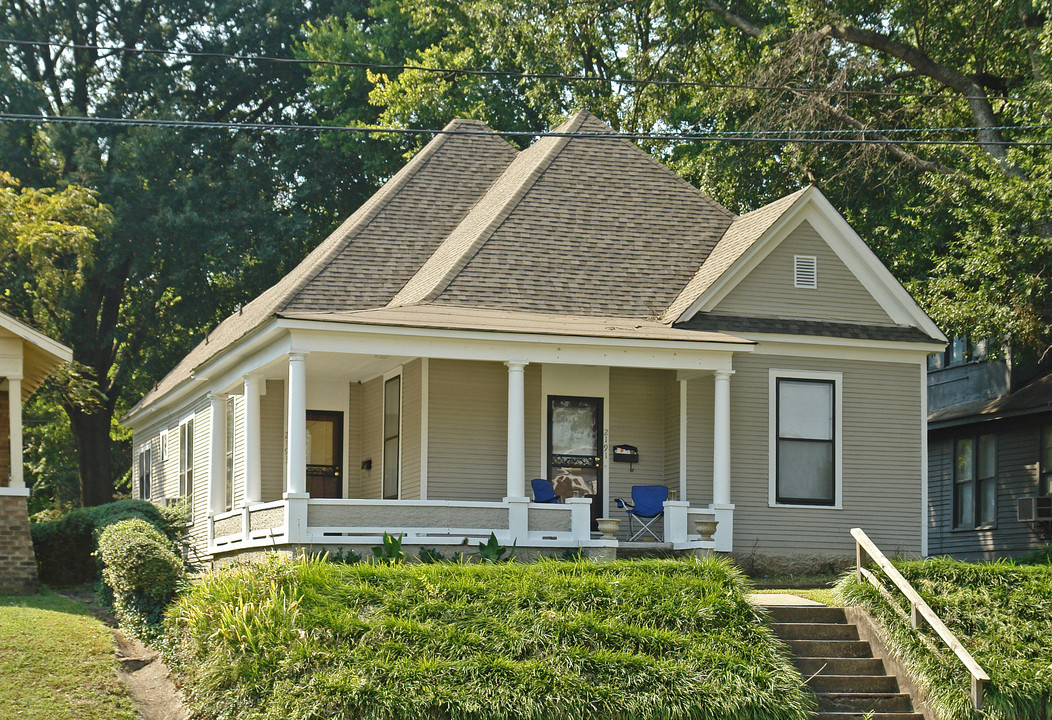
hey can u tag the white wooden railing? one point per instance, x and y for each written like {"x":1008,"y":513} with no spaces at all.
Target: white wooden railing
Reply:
{"x":918,"y":608}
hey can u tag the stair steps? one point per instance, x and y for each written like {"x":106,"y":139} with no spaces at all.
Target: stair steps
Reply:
{"x":849,"y":683}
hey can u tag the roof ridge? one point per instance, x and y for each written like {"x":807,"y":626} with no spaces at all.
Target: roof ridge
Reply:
{"x":467,"y":238}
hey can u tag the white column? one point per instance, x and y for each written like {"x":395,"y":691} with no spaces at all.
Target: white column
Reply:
{"x":217,"y":466}
{"x":721,"y":436}
{"x":14,"y":404}
{"x":683,"y":440}
{"x":253,"y":465}
{"x":516,"y":429}
{"x":297,"y":424}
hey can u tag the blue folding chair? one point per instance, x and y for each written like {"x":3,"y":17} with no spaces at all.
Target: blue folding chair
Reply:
{"x":544,"y":491}
{"x":646,"y":507}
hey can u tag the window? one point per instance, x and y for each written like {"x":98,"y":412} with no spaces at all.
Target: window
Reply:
{"x":229,"y":451}
{"x":975,"y":482}
{"x":1045,"y":481}
{"x":392,"y":428}
{"x":164,"y":445}
{"x":805,"y":271}
{"x":186,"y":458}
{"x":145,"y":471}
{"x":805,"y":438}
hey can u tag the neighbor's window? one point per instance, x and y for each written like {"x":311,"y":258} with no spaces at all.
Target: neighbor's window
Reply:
{"x":392,"y":423}
{"x":229,"y":451}
{"x":186,"y":458}
{"x":805,"y":441}
{"x":145,"y":471}
{"x":1045,"y":484}
{"x":975,"y":482}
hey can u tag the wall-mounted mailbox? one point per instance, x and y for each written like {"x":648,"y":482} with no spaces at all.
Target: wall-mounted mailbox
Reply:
{"x":367,"y":464}
{"x":626,"y":453}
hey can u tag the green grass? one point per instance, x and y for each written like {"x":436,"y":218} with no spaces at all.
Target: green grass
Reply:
{"x":556,"y":640}
{"x":57,"y":662}
{"x":1001,"y":612}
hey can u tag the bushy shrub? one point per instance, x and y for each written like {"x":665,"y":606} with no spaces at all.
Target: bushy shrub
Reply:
{"x":1041,"y":556}
{"x":142,"y":572}
{"x":65,"y":547}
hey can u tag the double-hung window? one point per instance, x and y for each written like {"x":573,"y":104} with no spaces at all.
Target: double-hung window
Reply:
{"x":392,"y":431}
{"x":186,"y":458}
{"x":805,"y":438}
{"x":975,"y":482}
{"x":145,"y":471}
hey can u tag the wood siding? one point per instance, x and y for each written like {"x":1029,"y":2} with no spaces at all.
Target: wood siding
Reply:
{"x":372,"y":438}
{"x":671,"y":390}
{"x":768,"y":290}
{"x":410,"y":437}
{"x":272,"y":441}
{"x":700,"y":419}
{"x":353,"y":472}
{"x":1018,"y":451}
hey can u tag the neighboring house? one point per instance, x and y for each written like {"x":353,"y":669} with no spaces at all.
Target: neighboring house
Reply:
{"x":989,"y":454}
{"x":27,"y":357}
{"x":491,"y":316}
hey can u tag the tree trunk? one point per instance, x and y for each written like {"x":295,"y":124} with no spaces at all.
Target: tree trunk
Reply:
{"x":92,"y":435}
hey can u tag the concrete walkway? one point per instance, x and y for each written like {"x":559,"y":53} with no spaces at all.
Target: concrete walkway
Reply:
{"x":778,"y":599}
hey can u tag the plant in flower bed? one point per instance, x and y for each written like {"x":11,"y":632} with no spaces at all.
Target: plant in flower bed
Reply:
{"x":552,"y":640}
{"x":1001,"y":612}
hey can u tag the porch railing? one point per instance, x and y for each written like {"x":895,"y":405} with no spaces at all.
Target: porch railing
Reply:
{"x":918,"y":609}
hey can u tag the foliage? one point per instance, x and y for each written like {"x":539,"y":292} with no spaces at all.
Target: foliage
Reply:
{"x":344,"y":556}
{"x":428,"y":555}
{"x":65,"y":548}
{"x":57,"y":662}
{"x":142,"y":573}
{"x":390,"y":552}
{"x":306,"y":639}
{"x":492,"y":551}
{"x":1041,"y":556}
{"x":1001,"y":613}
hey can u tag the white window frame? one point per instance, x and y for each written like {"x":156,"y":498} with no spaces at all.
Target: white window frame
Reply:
{"x":146,"y":447}
{"x":190,"y":457}
{"x":390,"y":374}
{"x":837,"y":378}
{"x":164,"y":445}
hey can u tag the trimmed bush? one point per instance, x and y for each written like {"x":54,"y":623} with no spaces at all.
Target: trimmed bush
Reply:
{"x":1001,"y":612}
{"x":552,"y":640}
{"x":65,"y":547}
{"x":142,"y":573}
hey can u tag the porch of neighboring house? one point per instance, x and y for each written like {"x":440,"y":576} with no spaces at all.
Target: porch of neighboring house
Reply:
{"x":319,"y":450}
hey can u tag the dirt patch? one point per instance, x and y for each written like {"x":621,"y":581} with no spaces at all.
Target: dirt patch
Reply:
{"x":148,"y":681}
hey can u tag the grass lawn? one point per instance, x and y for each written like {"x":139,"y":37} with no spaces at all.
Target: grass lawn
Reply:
{"x":57,"y":661}
{"x":1001,"y":612}
{"x":662,"y":639}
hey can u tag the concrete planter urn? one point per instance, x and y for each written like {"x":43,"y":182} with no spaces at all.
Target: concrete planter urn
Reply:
{"x":609,"y":527}
{"x":706,"y":528}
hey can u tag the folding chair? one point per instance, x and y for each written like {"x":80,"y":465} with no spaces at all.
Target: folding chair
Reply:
{"x":646,"y":507}
{"x":544,"y":491}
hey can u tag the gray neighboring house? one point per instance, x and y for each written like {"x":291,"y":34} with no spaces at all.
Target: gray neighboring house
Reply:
{"x":491,"y":316}
{"x":989,"y":454}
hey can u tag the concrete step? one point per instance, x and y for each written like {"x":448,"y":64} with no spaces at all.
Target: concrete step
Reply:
{"x":867,"y":716}
{"x":839,"y":666}
{"x":853,"y":684}
{"x":864,"y":702}
{"x":814,"y":631}
{"x":807,"y":614}
{"x":829,"y":648}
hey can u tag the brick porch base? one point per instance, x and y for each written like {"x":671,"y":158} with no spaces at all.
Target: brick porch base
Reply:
{"x":18,"y":567}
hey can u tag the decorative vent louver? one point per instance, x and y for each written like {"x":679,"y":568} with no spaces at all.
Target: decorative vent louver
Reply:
{"x":805,"y":271}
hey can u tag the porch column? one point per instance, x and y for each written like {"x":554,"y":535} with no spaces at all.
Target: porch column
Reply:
{"x":516,"y":429}
{"x":683,"y":439}
{"x":297,"y":424}
{"x":14,"y":403}
{"x":217,"y":466}
{"x":721,"y":436}
{"x":253,"y":466}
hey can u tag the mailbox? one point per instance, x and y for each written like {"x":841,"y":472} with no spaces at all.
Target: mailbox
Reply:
{"x":626,"y":453}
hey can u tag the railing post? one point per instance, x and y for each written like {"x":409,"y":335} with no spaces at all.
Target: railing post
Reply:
{"x":858,"y":561}
{"x":676,"y":521}
{"x":518,"y":518}
{"x":977,"y":693}
{"x":580,"y":518}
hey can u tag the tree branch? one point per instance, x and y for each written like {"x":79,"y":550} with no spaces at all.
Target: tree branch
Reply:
{"x":734,"y":19}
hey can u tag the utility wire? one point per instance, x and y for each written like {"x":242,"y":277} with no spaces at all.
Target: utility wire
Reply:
{"x":508,"y":73}
{"x":786,"y":136}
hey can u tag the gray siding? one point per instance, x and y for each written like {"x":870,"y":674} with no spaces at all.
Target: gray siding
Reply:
{"x":372,"y":440}
{"x":768,"y":290}
{"x":536,"y":424}
{"x":881,"y":461}
{"x":201,"y":449}
{"x":671,"y":390}
{"x":272,"y":441}
{"x":410,"y":438}
{"x":700,"y":408}
{"x":1018,"y":447}
{"x":353,"y":472}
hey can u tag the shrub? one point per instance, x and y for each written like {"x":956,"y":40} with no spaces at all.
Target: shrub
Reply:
{"x":142,"y":573}
{"x":1041,"y":556}
{"x":65,"y":547}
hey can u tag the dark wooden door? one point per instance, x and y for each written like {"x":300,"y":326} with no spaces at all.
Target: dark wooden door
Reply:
{"x":575,"y":449}
{"x":325,"y":454}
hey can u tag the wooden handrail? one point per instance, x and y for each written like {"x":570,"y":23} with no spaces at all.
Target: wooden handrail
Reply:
{"x":918,"y":609}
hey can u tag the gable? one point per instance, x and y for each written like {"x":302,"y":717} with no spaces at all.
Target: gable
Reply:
{"x":768,"y":290}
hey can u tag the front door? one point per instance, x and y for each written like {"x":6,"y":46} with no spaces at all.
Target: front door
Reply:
{"x":575,"y":449}
{"x":324,"y":454}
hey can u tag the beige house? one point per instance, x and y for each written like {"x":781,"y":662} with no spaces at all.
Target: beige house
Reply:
{"x":492,"y":316}
{"x":27,"y":357}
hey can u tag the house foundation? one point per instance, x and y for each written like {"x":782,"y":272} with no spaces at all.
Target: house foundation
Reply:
{"x":18,"y":566}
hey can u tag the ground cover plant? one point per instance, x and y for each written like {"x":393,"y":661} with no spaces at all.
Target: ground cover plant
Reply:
{"x":662,"y":639}
{"x":57,"y":662}
{"x":1002,"y":612}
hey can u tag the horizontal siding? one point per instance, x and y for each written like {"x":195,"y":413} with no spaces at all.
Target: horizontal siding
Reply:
{"x":1018,"y":449}
{"x":671,"y":390}
{"x":768,"y":290}
{"x":372,"y":438}
{"x":272,"y":441}
{"x":238,"y":500}
{"x":536,"y":427}
{"x":201,"y":448}
{"x":881,"y":461}
{"x":410,"y":439}
{"x":700,"y":404}
{"x":353,"y":471}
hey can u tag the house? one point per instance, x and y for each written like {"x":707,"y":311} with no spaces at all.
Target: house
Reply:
{"x":27,"y":357}
{"x":491,"y":316}
{"x":990,"y":453}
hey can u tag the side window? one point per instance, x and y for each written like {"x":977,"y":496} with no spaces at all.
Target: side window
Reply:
{"x":975,"y":482}
{"x":392,"y":429}
{"x":145,"y":472}
{"x":805,"y":438}
{"x":229,"y":452}
{"x":186,"y":458}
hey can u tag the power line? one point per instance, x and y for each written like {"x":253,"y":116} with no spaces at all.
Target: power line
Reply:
{"x":787,"y":136}
{"x":510,"y":74}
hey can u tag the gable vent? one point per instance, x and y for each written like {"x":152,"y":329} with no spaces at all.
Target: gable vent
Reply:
{"x":805,"y":271}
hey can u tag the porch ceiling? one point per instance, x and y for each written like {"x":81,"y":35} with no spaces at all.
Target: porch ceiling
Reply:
{"x":343,"y":367}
